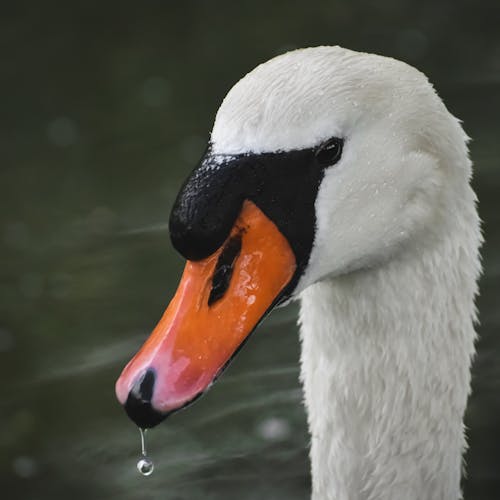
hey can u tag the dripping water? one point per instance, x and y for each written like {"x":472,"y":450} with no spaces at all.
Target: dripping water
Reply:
{"x":144,"y":465}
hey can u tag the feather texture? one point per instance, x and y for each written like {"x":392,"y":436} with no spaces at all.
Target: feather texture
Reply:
{"x":387,"y":299}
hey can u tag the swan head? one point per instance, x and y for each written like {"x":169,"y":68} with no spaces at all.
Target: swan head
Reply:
{"x":321,"y":162}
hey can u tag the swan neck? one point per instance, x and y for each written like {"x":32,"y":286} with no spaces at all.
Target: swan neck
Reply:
{"x":385,"y":366}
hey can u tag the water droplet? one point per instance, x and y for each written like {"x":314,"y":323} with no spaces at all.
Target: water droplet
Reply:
{"x":144,"y":465}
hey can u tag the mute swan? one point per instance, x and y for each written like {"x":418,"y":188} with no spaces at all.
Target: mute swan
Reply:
{"x":341,"y":179}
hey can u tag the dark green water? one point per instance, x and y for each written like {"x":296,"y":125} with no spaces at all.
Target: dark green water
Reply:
{"x":105,"y":109}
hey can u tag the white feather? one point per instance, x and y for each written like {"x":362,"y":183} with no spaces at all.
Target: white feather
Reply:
{"x":387,"y":302}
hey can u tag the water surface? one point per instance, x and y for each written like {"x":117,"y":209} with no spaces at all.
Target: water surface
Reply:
{"x":106,"y":108}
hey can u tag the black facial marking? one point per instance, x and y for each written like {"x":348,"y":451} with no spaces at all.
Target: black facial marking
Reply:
{"x":224,"y":269}
{"x":205,"y":209}
{"x":283,"y":185}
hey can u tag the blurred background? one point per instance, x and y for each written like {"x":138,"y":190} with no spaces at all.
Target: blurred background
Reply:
{"x":106,"y":106}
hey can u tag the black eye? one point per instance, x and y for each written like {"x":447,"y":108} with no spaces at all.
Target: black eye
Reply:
{"x":329,"y":152}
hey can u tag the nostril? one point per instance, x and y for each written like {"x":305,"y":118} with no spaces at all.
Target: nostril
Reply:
{"x":138,"y":405}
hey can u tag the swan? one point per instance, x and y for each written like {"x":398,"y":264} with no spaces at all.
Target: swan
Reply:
{"x":339,"y":179}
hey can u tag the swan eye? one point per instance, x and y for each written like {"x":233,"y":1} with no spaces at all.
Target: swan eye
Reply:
{"x":329,"y":152}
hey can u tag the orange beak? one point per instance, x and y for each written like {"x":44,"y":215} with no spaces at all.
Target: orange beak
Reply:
{"x":219,"y":302}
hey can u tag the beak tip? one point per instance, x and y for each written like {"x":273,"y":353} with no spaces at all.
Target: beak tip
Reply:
{"x":142,"y":412}
{"x":136,"y":399}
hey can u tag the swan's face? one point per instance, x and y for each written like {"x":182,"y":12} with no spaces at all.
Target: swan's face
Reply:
{"x":383,"y":187}
{"x":320,"y":163}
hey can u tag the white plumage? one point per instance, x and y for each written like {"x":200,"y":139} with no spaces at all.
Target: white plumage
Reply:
{"x":387,"y":299}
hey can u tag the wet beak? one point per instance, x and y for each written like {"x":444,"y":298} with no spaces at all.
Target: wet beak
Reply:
{"x":219,"y":302}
